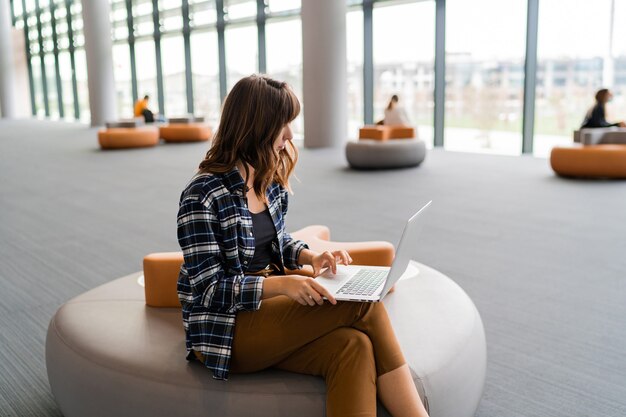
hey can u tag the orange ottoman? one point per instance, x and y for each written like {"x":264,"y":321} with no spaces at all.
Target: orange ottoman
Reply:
{"x":597,"y":161}
{"x":382,"y":132}
{"x":128,"y":137}
{"x":185,"y":132}
{"x":161,"y":269}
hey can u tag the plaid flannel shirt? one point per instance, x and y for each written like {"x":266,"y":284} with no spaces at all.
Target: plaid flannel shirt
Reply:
{"x":215,"y":235}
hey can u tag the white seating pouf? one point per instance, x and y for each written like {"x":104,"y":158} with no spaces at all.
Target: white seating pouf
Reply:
{"x":376,"y":154}
{"x":108,"y":354}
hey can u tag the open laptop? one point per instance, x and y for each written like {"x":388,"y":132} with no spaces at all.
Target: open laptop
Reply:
{"x":372,"y":283}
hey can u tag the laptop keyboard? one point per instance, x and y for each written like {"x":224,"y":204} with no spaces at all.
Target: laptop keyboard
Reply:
{"x":364,"y":282}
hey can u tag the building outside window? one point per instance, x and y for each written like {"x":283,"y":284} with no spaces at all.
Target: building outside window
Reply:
{"x":485,"y":75}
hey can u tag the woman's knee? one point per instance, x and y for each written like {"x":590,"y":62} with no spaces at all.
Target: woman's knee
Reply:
{"x":356,"y":344}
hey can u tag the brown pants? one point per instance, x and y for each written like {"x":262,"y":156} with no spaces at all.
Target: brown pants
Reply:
{"x":349,"y":344}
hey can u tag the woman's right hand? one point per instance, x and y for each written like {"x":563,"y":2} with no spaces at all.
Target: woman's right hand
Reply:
{"x":305,"y":290}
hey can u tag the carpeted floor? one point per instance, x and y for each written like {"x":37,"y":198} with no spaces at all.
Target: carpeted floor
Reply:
{"x":542,"y":257}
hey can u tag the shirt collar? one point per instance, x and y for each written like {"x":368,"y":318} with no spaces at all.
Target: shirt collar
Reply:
{"x":234,"y":181}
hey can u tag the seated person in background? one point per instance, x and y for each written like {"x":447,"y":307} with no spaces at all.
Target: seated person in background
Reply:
{"x":141,"y":109}
{"x":395,"y":114}
{"x":596,"y":116}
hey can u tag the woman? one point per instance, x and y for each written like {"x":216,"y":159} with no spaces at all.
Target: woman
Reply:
{"x":232,"y":232}
{"x":596,"y":116}
{"x":395,"y":114}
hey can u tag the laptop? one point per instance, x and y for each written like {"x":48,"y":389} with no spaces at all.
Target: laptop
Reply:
{"x":372,"y":283}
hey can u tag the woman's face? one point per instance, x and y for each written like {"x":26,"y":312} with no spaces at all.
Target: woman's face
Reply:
{"x":285,"y":135}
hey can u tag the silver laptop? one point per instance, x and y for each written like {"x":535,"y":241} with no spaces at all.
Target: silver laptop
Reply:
{"x":372,"y":283}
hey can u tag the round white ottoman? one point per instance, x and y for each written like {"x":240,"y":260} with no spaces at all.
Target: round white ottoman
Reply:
{"x":377,"y":154}
{"x":108,"y":354}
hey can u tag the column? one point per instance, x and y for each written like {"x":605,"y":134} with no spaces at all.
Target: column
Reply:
{"x":324,"y":73}
{"x":7,"y":72}
{"x":98,"y":49}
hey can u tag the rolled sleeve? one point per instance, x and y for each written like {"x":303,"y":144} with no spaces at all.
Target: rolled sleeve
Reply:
{"x":291,"y":251}
{"x":250,"y":292}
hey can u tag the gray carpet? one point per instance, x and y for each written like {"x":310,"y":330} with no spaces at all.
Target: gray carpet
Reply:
{"x":542,"y":257}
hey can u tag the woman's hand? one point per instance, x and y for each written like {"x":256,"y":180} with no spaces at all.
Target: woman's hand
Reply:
{"x":305,"y":290}
{"x":329,"y":259}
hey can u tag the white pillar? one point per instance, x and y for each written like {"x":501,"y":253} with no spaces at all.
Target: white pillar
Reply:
{"x":7,"y":72}
{"x":324,"y":73}
{"x":98,"y":49}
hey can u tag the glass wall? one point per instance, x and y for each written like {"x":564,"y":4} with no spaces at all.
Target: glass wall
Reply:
{"x":404,"y":65}
{"x":284,"y":59}
{"x":354,"y":52}
{"x":123,"y":82}
{"x":484,"y":75}
{"x":574,"y":61}
{"x":205,"y":70}
{"x":145,"y":57}
{"x":242,"y":56}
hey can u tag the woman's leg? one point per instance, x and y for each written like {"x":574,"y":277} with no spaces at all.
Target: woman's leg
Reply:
{"x":345,"y":358}
{"x":396,"y":388}
{"x":281,"y":327}
{"x":398,"y":394}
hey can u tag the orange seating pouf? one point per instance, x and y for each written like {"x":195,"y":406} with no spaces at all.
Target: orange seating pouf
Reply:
{"x":597,"y":161}
{"x":185,"y":132}
{"x":128,"y":137}
{"x":382,"y":132}
{"x":161,"y":269}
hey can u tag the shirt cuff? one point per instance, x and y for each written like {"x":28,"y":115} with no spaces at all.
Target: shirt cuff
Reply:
{"x":293,"y":254}
{"x":250,"y":293}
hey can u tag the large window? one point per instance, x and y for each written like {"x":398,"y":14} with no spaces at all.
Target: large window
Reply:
{"x":485,"y":75}
{"x":485,"y":47}
{"x":354,"y":52}
{"x":205,"y":70}
{"x":284,"y":59}
{"x":241,"y":53}
{"x":145,"y":56}
{"x":173,"y":62}
{"x":123,"y":84}
{"x":404,"y":65}
{"x":574,"y":61}
{"x":82,"y":88}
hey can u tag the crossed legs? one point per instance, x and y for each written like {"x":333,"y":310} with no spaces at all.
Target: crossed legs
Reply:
{"x":351,"y":345}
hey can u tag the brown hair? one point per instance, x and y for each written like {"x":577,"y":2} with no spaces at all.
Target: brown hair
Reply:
{"x":602,"y":96}
{"x":254,"y":114}
{"x":392,"y":102}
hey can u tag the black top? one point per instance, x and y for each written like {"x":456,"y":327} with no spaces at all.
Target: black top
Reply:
{"x":264,"y":233}
{"x":596,"y":118}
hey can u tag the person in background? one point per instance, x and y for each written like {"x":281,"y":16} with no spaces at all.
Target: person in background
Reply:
{"x":596,"y":116}
{"x":141,"y":109}
{"x":395,"y":114}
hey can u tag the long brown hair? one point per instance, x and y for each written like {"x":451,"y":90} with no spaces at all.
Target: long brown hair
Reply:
{"x":254,"y":114}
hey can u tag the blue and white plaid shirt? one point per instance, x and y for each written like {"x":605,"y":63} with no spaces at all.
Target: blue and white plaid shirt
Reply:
{"x":215,"y":235}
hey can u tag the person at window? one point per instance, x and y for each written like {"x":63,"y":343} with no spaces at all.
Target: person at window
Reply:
{"x":395,"y":115}
{"x":141,"y":109}
{"x":596,"y":116}
{"x":231,"y":229}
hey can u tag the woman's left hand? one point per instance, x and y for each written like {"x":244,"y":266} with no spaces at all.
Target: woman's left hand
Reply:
{"x":329,"y":259}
